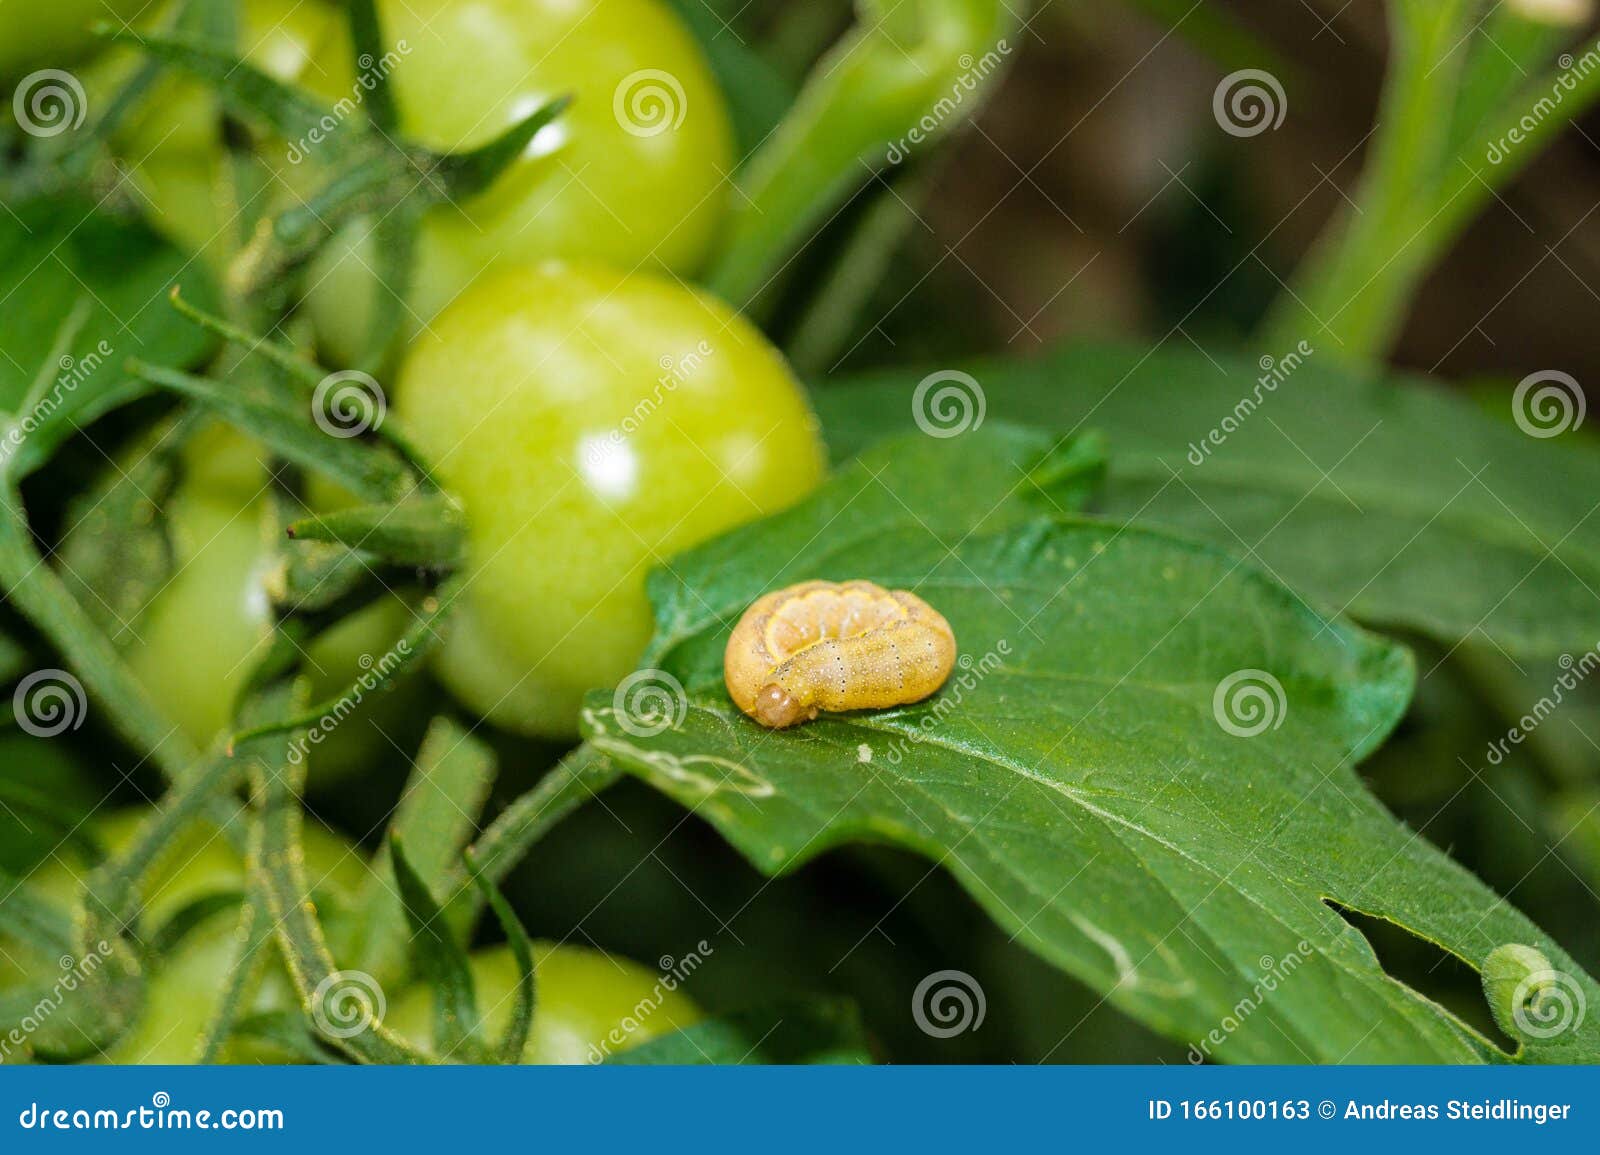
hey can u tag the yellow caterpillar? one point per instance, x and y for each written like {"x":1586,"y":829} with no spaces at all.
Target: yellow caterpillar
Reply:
{"x":835,"y":646}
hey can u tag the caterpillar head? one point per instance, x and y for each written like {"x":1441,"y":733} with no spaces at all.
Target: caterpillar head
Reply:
{"x":777,"y":709}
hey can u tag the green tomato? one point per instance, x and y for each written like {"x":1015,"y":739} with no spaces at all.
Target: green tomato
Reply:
{"x":194,"y":644}
{"x":37,"y":33}
{"x":592,"y":424}
{"x":632,"y":173}
{"x":185,"y":987}
{"x":590,"y":1004}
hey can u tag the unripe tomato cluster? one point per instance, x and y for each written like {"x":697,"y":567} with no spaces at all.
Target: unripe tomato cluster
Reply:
{"x":592,"y":412}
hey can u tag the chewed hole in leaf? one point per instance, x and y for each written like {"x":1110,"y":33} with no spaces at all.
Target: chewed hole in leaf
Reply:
{"x":1429,"y":969}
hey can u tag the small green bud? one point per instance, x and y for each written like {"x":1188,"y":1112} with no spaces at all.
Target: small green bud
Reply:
{"x":1527,"y":996}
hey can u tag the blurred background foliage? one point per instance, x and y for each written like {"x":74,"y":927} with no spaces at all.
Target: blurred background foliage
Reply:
{"x":1095,"y":195}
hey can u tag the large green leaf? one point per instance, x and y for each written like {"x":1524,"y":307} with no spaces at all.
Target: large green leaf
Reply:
{"x":1092,"y":773}
{"x":1392,"y":500}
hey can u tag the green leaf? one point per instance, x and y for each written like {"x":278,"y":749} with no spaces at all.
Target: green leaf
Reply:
{"x":427,"y":532}
{"x":520,"y":1024}
{"x":1143,"y":766}
{"x":436,"y":818}
{"x":344,"y":404}
{"x":463,"y":175}
{"x":815,"y":1031}
{"x":369,"y":469}
{"x":316,"y":577}
{"x":1392,"y":500}
{"x":245,"y":90}
{"x":277,"y":868}
{"x":442,"y":962}
{"x":69,"y":270}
